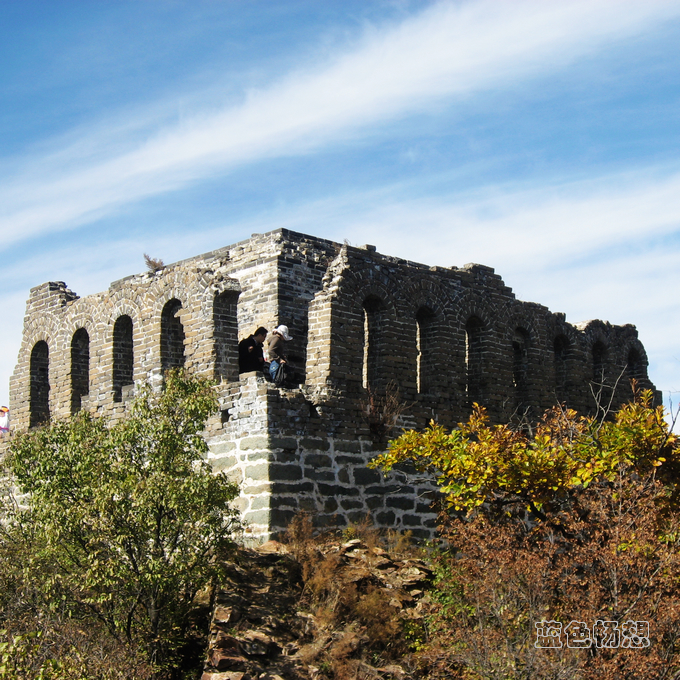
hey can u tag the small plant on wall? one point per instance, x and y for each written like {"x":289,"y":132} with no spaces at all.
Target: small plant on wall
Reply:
{"x":382,"y":412}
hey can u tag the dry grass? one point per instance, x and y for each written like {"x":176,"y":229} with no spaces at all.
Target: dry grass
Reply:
{"x":359,"y":624}
{"x":608,"y":562}
{"x":382,"y":411}
{"x":152,"y":264}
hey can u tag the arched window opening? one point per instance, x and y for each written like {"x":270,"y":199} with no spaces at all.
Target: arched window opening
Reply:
{"x":80,"y":368}
{"x":373,"y":369}
{"x":635,"y":366}
{"x":426,"y":361}
{"x":599,"y":363}
{"x":520,"y":366}
{"x":40,"y":384}
{"x":474,"y":360}
{"x":225,"y":335}
{"x":172,"y":336}
{"x":561,"y":349}
{"x":123,"y":356}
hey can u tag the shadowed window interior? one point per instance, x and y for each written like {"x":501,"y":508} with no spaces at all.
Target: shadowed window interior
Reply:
{"x":561,"y":349}
{"x":226,"y":335}
{"x":123,"y":356}
{"x":172,"y":336}
{"x":425,"y":338}
{"x":520,"y":366}
{"x":374,"y":318}
{"x":635,"y":366}
{"x":474,"y":360}
{"x":599,"y":355}
{"x":40,"y":384}
{"x":80,"y":368}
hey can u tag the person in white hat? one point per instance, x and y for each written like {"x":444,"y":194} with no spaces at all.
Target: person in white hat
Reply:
{"x":275,"y":348}
{"x":4,"y":420}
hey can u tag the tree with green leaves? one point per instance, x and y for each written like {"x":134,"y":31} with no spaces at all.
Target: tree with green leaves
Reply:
{"x":125,"y":522}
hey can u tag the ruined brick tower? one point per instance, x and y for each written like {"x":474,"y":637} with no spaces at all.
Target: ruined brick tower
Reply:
{"x":365,"y":325}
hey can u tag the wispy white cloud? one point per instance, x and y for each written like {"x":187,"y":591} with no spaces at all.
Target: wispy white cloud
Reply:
{"x":549,"y":226}
{"x":449,"y":51}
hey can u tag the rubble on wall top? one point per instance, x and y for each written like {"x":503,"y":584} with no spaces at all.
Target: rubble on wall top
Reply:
{"x":480,"y":268}
{"x":599,"y":324}
{"x":218,"y":254}
{"x":583,"y":325}
{"x":277,"y":236}
{"x":53,"y":289}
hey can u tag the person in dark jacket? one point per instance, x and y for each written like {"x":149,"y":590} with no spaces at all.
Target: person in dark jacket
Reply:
{"x":250,"y":354}
{"x":275,"y":348}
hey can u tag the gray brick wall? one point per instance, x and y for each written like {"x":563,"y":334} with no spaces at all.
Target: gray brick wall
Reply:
{"x":437,"y":337}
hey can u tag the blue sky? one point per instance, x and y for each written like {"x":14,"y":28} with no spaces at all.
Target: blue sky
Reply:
{"x":541,"y":139}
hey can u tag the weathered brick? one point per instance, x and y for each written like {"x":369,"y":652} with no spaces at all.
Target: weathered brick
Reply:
{"x":278,"y":471}
{"x":364,"y":476}
{"x":402,"y":502}
{"x":283,"y":443}
{"x":319,"y":475}
{"x":337,"y":491}
{"x":250,"y":443}
{"x":330,"y":505}
{"x":350,"y":504}
{"x":373,"y":502}
{"x":318,"y":460}
{"x":220,"y":448}
{"x":315,"y":444}
{"x":257,"y":472}
{"x":385,"y":518}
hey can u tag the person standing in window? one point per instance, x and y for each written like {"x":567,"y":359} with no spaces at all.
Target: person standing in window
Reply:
{"x":250,"y":354}
{"x":275,"y":348}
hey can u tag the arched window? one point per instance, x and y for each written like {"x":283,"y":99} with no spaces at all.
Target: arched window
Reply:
{"x":561,"y":348}
{"x":426,"y":366}
{"x":123,"y":356}
{"x":599,"y":363}
{"x":635,"y":366}
{"x":373,"y":369}
{"x":474,"y":360}
{"x":225,"y":335}
{"x":172,"y":336}
{"x":40,"y":384}
{"x":520,"y":366}
{"x":80,"y":368}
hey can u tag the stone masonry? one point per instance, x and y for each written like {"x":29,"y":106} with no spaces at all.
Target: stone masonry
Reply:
{"x":379,"y":343}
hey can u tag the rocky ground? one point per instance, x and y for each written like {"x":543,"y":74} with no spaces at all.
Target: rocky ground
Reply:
{"x":315,"y":610}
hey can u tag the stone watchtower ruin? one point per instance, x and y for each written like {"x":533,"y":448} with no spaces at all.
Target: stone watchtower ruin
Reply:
{"x":367,"y":328}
